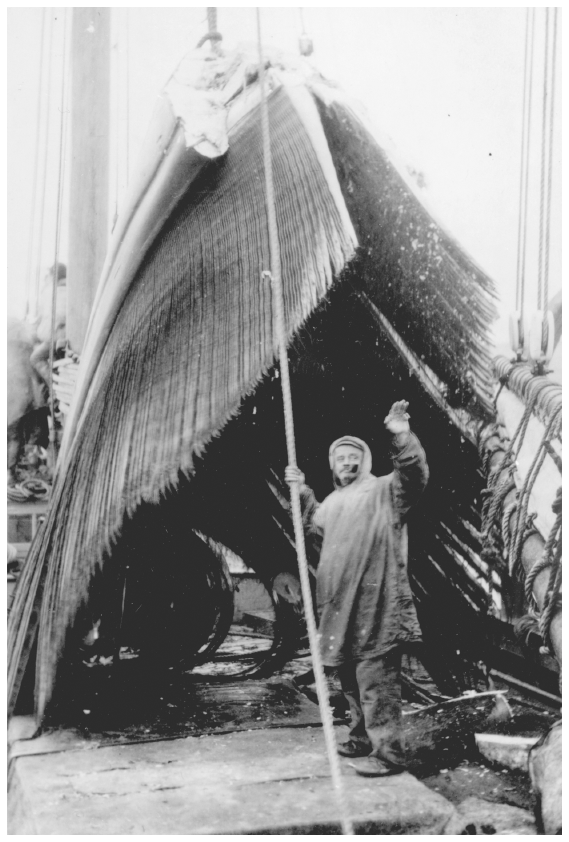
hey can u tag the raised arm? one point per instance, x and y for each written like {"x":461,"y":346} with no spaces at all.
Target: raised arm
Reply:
{"x":410,"y":469}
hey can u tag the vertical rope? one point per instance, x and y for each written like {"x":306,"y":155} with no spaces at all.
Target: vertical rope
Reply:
{"x":321,"y":685}
{"x":33,"y":213}
{"x":127,"y":105}
{"x":526,"y":168}
{"x":117,"y":17}
{"x":62,"y":124}
{"x":543,"y":155}
{"x":550,"y":163}
{"x":520,"y":255}
{"x":45,"y":151}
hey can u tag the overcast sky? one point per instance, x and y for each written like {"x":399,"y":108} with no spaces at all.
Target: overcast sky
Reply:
{"x":445,"y":84}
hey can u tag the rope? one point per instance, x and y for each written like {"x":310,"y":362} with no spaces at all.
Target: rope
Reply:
{"x":506,"y":534}
{"x":522,"y":164}
{"x":550,"y":170}
{"x":545,"y":560}
{"x":519,"y":433}
{"x":45,"y":151}
{"x":543,"y":155}
{"x":275,"y":275}
{"x":552,"y":598}
{"x":28,"y":491}
{"x":36,"y":167}
{"x":127,"y":84}
{"x":212,"y":34}
{"x":527,"y":161}
{"x":57,"y":238}
{"x":527,"y":487}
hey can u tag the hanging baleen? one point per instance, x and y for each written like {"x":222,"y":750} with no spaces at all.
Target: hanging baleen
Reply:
{"x":175,"y":429}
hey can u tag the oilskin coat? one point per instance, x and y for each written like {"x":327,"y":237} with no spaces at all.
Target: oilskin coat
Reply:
{"x":363,"y":594}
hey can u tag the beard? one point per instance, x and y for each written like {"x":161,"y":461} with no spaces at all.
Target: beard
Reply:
{"x":348,"y":475}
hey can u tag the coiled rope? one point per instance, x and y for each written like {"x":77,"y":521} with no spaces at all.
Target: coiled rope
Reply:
{"x":278,"y":301}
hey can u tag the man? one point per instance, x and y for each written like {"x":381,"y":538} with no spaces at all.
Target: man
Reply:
{"x":366,"y":610}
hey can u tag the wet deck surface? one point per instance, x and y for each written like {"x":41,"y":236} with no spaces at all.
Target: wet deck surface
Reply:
{"x":235,"y":757}
{"x":270,"y":780}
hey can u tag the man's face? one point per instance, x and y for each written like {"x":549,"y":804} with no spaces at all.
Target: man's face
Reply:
{"x":347,"y":462}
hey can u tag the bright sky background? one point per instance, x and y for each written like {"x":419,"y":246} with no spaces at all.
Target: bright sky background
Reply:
{"x":445,"y":84}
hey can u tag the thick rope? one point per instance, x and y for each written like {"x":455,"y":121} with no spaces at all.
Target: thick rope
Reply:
{"x":552,"y":598}
{"x":212,"y":34}
{"x":545,"y":561}
{"x":321,"y":684}
{"x":506,"y":533}
{"x":525,"y":492}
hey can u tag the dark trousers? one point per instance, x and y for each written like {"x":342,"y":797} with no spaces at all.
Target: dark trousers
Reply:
{"x":373,"y":691}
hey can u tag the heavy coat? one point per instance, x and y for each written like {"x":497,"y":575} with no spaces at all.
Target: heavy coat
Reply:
{"x":363,"y":593}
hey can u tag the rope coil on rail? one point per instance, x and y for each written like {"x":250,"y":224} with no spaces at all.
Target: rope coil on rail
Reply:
{"x":515,"y":525}
{"x":525,"y":492}
{"x":278,"y":301}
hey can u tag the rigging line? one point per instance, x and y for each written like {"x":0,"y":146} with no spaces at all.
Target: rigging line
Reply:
{"x":117,"y":117}
{"x":42,"y":209}
{"x":543,"y":155}
{"x":550,"y":162}
{"x":526,"y":173}
{"x":212,"y":35}
{"x":278,"y":300}
{"x":60,"y":175}
{"x":522,"y":163}
{"x":127,"y":105}
{"x":34,"y":202}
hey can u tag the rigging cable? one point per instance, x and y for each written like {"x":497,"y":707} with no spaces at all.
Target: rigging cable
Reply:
{"x":524,"y":165}
{"x":543,"y":165}
{"x":127,"y":105}
{"x":212,"y":34}
{"x":278,"y":301}
{"x":34,"y":202}
{"x":44,"y":168}
{"x":60,"y":174}
{"x":522,"y":162}
{"x":117,"y":122}
{"x":550,"y":163}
